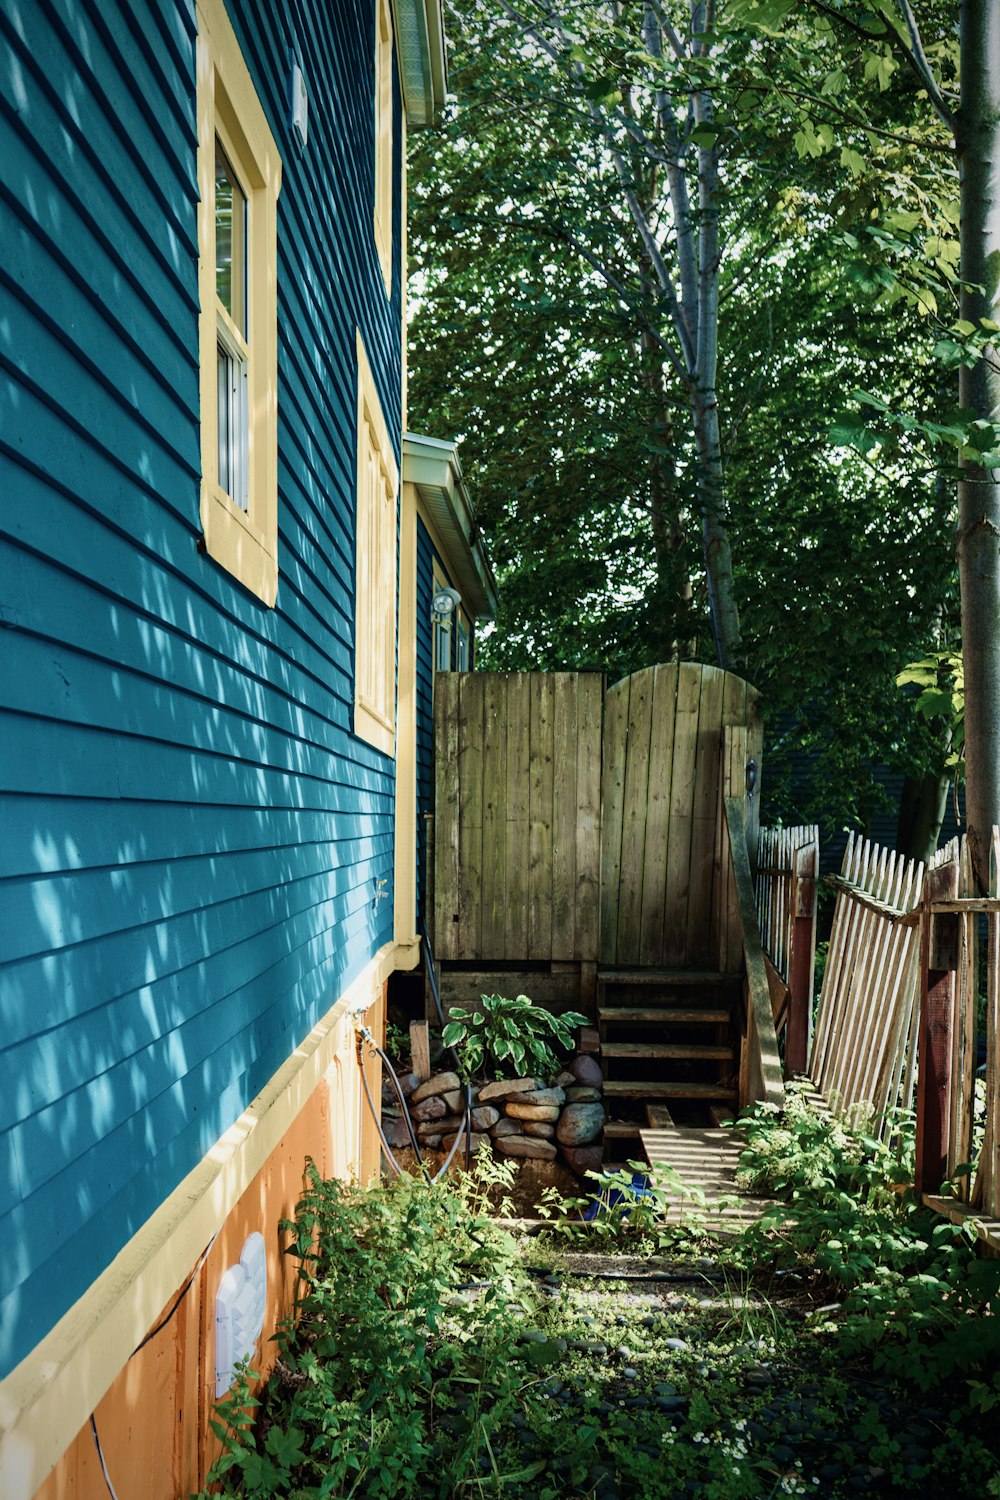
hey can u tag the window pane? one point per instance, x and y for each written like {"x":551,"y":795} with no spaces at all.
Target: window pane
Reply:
{"x":230,"y":241}
{"x":225,"y":421}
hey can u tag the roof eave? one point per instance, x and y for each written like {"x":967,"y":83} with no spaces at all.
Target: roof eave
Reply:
{"x":432,"y":466}
{"x":423,"y":59}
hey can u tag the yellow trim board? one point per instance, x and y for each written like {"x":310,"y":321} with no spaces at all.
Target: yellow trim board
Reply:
{"x":245,"y":543}
{"x":49,"y":1396}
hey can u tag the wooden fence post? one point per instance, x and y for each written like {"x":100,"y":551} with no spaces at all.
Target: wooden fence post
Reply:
{"x":939,"y":944}
{"x":801,"y":957}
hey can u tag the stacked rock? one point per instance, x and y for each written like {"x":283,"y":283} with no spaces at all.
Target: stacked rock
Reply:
{"x":521,"y":1117}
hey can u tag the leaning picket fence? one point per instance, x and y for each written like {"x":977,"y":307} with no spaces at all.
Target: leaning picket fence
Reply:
{"x":863,"y":1057}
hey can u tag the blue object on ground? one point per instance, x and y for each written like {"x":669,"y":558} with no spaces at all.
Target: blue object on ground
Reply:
{"x":637,"y":1189}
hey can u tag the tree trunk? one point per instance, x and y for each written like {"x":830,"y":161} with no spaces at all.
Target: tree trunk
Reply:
{"x":922,"y":804}
{"x":978,"y":146}
{"x":672,"y":592}
{"x":715,"y":537}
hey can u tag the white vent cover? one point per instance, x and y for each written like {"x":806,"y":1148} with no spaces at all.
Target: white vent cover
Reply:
{"x":239,"y":1312}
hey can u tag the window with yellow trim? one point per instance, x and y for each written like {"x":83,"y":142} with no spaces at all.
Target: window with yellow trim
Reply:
{"x":383,"y":139}
{"x":239,"y":178}
{"x":375,"y":597}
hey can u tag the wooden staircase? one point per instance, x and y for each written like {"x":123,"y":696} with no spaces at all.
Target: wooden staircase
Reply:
{"x":668,"y":1037}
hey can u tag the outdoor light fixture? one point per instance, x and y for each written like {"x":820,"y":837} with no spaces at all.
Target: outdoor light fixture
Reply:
{"x":751,"y":776}
{"x":444,"y":605}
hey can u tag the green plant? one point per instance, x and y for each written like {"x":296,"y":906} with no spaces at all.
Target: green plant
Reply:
{"x":391,"y":1376}
{"x":916,"y":1296}
{"x":635,"y":1205}
{"x":512,"y":1034}
{"x":397,"y":1044}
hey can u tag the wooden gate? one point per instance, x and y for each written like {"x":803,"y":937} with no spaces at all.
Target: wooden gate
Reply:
{"x":664,"y":875}
{"x":517,"y":816}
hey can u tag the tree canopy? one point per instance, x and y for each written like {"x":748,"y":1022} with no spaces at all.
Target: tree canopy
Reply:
{"x":543,"y":336}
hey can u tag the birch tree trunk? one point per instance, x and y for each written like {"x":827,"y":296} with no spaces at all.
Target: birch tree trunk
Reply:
{"x":978,"y":146}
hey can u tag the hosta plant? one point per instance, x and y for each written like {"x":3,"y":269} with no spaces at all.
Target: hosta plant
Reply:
{"x":512,"y":1036}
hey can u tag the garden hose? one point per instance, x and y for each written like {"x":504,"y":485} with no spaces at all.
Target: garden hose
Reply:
{"x":375,"y":1115}
{"x":465,"y":1129}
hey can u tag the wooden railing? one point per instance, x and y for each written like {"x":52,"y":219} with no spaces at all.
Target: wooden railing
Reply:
{"x":863,"y":1054}
{"x":760,"y":1061}
{"x":787,"y":870}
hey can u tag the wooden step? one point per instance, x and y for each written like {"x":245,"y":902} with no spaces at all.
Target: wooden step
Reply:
{"x":617,"y":1130}
{"x":624,"y":1089}
{"x":667,"y":1049}
{"x":648,"y":1015}
{"x":665,"y":977}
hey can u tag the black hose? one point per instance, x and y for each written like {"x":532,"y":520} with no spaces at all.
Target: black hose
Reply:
{"x":375,"y":1116}
{"x":399,"y":1095}
{"x":454,"y":1147}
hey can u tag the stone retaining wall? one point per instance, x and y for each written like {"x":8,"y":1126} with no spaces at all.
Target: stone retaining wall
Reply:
{"x":521,"y":1117}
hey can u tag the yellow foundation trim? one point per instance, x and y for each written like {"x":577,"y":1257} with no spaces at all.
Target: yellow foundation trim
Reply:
{"x":49,"y":1396}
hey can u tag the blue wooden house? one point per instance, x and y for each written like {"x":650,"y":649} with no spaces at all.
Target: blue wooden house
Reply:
{"x":217,"y":644}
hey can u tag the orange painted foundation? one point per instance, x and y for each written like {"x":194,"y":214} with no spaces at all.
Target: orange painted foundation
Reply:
{"x":153,"y":1423}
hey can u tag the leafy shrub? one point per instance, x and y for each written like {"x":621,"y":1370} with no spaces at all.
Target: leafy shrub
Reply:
{"x":389,"y":1379}
{"x":514,"y":1035}
{"x":916,"y":1294}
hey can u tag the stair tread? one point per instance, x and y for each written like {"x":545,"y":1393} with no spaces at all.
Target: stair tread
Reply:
{"x":666,"y":976}
{"x":686,"y":1015}
{"x":666,"y":1049}
{"x":624,"y":1088}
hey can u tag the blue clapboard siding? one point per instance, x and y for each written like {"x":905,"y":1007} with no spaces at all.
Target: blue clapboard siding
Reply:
{"x":191,"y":832}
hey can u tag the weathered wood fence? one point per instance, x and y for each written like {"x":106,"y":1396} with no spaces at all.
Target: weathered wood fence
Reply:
{"x":863,"y":1054}
{"x":787,"y":871}
{"x":669,"y":760}
{"x":573,"y":827}
{"x":959,"y":1024}
{"x":909,"y":1009}
{"x":517,"y":826}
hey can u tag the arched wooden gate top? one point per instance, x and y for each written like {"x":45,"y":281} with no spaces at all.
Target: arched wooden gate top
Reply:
{"x":677,"y":739}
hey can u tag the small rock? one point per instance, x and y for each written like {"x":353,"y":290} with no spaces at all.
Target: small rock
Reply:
{"x":539,"y":1128}
{"x":505,"y":1088}
{"x":449,"y":1123}
{"x":583,"y":1159}
{"x":579,"y":1124}
{"x":522,"y":1145}
{"x":580,"y":1095}
{"x":565,"y":1080}
{"x":430,"y":1142}
{"x":431,"y":1108}
{"x":629,"y":1374}
{"x":507,"y":1127}
{"x":407,"y":1083}
{"x":679,"y":1346}
{"x":518,"y":1111}
{"x":449,"y":1140}
{"x":671,"y":1403}
{"x":455,"y":1101}
{"x":441,"y":1083}
{"x":543,"y":1096}
{"x":485,"y":1117}
{"x":396,"y":1132}
{"x":587,"y":1071}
